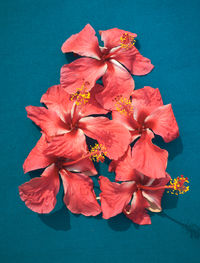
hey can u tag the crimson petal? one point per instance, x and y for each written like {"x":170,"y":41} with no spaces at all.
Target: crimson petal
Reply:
{"x":85,"y":166}
{"x":58,"y":100}
{"x":114,"y":136}
{"x":147,"y":98}
{"x":79,"y":194}
{"x":39,"y":194}
{"x":114,"y":197}
{"x":92,"y":106}
{"x":84,"y":43}
{"x":124,"y":167}
{"x":134,"y":61}
{"x":162,"y":121}
{"x":70,"y":145}
{"x":117,"y":82}
{"x":111,"y":37}
{"x":47,"y":120}
{"x":79,"y":72}
{"x":148,"y":158}
{"x":154,"y":197}
{"x":36,"y":158}
{"x":137,"y":211}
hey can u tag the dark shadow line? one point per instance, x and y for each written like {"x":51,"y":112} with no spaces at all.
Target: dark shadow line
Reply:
{"x":192,"y":229}
{"x":58,"y":220}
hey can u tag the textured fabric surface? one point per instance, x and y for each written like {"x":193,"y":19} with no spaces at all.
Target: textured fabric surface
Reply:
{"x":32,"y":33}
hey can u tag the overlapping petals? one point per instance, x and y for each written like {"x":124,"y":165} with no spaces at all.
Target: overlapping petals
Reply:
{"x":111,"y":134}
{"x":79,"y":194}
{"x":114,"y":196}
{"x":111,"y":37}
{"x":132,"y":198}
{"x":82,"y":70}
{"x":65,"y":127}
{"x":39,"y":194}
{"x":149,"y":158}
{"x":36,"y":159}
{"x":133,"y":61}
{"x":149,"y":114}
{"x":84,"y":43}
{"x":117,"y":80}
{"x":73,"y":111}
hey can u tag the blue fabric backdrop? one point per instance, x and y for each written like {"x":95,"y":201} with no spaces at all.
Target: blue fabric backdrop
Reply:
{"x":32,"y":32}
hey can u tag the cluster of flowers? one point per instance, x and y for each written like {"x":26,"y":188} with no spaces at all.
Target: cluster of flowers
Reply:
{"x":74,"y":110}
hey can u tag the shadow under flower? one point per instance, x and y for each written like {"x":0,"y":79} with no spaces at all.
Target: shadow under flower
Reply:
{"x":174,"y":148}
{"x":169,"y":201}
{"x":58,"y":220}
{"x":119,"y":222}
{"x":137,"y":44}
{"x":70,"y":57}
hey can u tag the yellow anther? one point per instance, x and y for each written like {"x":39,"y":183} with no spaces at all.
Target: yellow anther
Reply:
{"x":81,"y":96}
{"x":98,"y":153}
{"x":127,"y":41}
{"x":177,"y":186}
{"x":123,"y":106}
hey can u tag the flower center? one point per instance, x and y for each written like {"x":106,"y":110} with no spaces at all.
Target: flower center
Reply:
{"x":105,"y":55}
{"x":81,"y":96}
{"x":123,"y":106}
{"x":141,"y":129}
{"x":127,"y":41}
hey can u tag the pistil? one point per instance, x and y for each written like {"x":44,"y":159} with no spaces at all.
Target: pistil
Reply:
{"x":176,"y":186}
{"x":127,"y":41}
{"x":96,"y":153}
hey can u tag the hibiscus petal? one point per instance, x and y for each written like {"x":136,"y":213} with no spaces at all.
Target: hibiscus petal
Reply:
{"x":112,"y":135}
{"x":36,"y":158}
{"x":148,"y":158}
{"x":137,"y":212}
{"x":162,"y":121}
{"x":134,"y":61}
{"x":92,"y":106}
{"x":114,"y":197}
{"x":117,"y":82}
{"x":58,"y":100}
{"x":83,"y":70}
{"x":47,"y":120}
{"x":70,"y":145}
{"x":84,"y":43}
{"x":84,"y":166}
{"x":154,"y":197}
{"x":129,"y":123}
{"x":124,"y":167}
{"x":148,"y":98}
{"x":127,"y":120}
{"x":111,"y":37}
{"x":79,"y":195}
{"x":39,"y":194}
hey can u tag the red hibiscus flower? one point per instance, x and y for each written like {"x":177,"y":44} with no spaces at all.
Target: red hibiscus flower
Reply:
{"x":143,"y":194}
{"x":146,"y":113}
{"x":141,"y":191}
{"x":39,"y":194}
{"x":66,"y":122}
{"x":110,"y":61}
{"x":137,"y":193}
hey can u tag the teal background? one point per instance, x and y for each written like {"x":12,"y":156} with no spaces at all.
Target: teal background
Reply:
{"x":32,"y":32}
